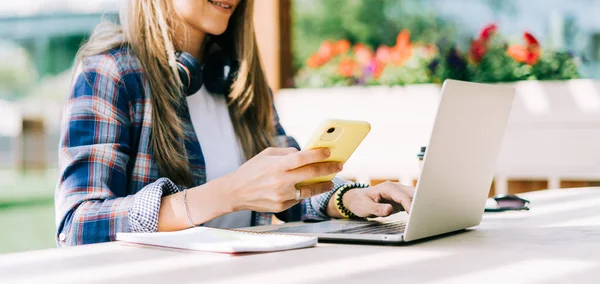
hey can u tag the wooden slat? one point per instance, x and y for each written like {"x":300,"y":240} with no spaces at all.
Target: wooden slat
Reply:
{"x":379,"y":181}
{"x":272,"y":20}
{"x":578,"y":183}
{"x":520,"y":186}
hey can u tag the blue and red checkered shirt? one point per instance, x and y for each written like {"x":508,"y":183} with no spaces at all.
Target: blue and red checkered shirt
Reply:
{"x":109,"y":180}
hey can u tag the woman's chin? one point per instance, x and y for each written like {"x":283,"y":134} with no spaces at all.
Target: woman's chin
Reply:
{"x":214,"y":29}
{"x":216,"y":33}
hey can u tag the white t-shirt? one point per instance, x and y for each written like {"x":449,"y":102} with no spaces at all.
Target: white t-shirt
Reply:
{"x":220,"y":147}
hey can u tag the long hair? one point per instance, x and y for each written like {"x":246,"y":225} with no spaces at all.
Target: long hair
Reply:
{"x":148,"y":31}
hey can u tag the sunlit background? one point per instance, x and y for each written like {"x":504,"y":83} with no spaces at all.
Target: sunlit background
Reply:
{"x":39,"y":39}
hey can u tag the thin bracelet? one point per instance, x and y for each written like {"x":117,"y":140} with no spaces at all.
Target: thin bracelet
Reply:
{"x":187,"y":211}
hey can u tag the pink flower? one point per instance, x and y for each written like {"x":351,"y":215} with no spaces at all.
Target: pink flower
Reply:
{"x":326,"y":50}
{"x":383,"y":54}
{"x":364,"y":55}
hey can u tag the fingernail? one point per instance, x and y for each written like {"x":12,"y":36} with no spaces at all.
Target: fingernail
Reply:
{"x":340,"y":166}
{"x":327,"y":152}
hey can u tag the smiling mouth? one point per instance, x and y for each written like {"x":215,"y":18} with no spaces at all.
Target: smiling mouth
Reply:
{"x":220,"y":4}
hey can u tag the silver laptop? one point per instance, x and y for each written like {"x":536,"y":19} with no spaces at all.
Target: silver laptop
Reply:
{"x":457,"y":172}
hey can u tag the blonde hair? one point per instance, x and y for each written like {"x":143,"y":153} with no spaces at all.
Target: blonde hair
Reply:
{"x":149,"y":33}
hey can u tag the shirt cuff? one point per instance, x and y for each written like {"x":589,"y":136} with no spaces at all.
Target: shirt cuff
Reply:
{"x":316,"y":206}
{"x":143,"y":211}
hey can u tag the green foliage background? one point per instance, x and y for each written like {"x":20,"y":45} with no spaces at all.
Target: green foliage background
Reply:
{"x":378,"y":22}
{"x":371,"y":22}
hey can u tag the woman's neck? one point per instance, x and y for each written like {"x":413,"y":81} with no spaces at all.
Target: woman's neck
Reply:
{"x":190,"y":40}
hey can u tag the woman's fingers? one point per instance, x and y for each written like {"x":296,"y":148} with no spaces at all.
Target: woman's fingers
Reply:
{"x":315,"y":170}
{"x":306,"y":157}
{"x":314,"y":189}
{"x":367,"y":207}
{"x":274,"y":151}
{"x":383,"y":210}
{"x":409,"y":190}
{"x":398,"y":194}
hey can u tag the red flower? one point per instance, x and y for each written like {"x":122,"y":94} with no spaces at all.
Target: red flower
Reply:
{"x":347,"y":67}
{"x":487,"y":32}
{"x":479,"y":46}
{"x":530,"y":39}
{"x":342,"y":46}
{"x":477,"y":50}
{"x":533,"y":57}
{"x":364,"y":55}
{"x":529,"y":54}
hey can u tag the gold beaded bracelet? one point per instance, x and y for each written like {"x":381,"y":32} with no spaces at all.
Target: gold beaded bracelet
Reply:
{"x":339,"y":204}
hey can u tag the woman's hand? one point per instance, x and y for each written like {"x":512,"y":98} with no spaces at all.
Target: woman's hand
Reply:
{"x":266,"y":183}
{"x":377,"y":201}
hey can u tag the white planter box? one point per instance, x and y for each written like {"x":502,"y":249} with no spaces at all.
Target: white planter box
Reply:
{"x":553,"y":132}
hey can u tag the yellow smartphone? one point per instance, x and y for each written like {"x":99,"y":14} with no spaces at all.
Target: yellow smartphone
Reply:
{"x":342,"y":137}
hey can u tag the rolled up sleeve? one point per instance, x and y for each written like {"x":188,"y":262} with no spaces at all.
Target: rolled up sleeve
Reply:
{"x":143,"y":211}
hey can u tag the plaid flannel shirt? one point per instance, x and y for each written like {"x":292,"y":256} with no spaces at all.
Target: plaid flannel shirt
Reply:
{"x":109,"y":180}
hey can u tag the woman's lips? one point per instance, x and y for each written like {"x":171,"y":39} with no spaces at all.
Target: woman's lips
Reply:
{"x":223,"y":6}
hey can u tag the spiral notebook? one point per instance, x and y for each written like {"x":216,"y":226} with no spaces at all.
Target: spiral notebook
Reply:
{"x":220,"y":240}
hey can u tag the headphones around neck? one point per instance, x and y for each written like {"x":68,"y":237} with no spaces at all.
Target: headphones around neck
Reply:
{"x":217,"y":74}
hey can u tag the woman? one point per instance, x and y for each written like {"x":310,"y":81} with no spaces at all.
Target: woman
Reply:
{"x":141,"y":152}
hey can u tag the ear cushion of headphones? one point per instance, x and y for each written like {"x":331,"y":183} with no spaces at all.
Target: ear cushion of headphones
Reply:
{"x":219,"y":73}
{"x":190,"y":73}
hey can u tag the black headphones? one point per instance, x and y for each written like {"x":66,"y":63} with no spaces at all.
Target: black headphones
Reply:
{"x":217,"y":73}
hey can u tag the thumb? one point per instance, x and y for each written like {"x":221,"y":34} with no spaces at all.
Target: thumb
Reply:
{"x":383,"y":210}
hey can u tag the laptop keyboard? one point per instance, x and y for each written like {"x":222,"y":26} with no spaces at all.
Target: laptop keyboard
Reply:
{"x":390,"y":228}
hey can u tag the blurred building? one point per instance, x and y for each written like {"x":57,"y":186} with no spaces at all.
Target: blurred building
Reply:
{"x":52,"y":31}
{"x":47,"y":33}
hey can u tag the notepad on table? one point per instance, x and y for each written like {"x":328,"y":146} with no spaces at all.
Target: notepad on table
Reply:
{"x":220,"y":240}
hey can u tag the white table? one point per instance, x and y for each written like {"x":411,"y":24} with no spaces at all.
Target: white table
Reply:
{"x":558,"y":241}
